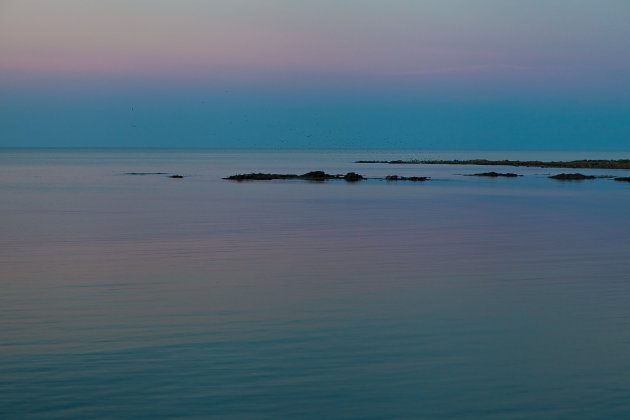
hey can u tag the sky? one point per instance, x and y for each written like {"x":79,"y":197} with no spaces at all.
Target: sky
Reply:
{"x":438,"y":74}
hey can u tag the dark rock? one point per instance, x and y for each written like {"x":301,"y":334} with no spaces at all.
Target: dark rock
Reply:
{"x":496,"y":174}
{"x":260,"y":177}
{"x":146,"y":173}
{"x":317,"y":176}
{"x":352,"y":177}
{"x":176,"y":176}
{"x":623,"y":179}
{"x":406,"y":178}
{"x":571,"y":177}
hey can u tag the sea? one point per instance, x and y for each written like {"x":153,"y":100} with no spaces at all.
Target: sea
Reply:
{"x":462,"y":297}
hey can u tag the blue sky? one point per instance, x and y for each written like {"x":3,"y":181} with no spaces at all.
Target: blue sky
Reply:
{"x":361,"y":74}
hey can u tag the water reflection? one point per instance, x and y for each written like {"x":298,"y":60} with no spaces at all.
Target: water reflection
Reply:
{"x":141,"y":296}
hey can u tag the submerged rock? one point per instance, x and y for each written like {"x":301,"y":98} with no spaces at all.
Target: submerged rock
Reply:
{"x":496,"y":174}
{"x":571,"y":177}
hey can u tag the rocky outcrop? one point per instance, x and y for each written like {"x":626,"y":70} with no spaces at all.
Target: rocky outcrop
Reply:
{"x":155,"y":173}
{"x":260,"y":177}
{"x":571,"y":177}
{"x":318,"y":176}
{"x":406,"y":178}
{"x":146,"y":173}
{"x":352,"y":177}
{"x":496,"y":174}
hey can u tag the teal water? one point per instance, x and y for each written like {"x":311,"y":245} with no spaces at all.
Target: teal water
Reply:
{"x":462,"y":297}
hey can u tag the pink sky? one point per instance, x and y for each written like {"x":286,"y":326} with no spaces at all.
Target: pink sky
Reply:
{"x":362,"y":37}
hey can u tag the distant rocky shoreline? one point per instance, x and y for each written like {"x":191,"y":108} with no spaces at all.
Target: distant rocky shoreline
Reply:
{"x":574,"y":164}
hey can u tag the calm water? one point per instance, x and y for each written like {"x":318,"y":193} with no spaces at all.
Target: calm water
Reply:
{"x":462,"y":297}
